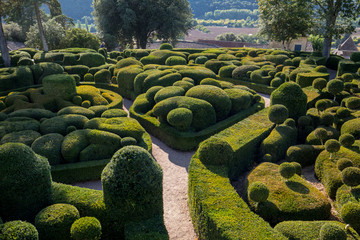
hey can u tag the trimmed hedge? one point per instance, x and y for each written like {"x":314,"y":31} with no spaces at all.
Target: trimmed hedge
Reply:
{"x":18,"y":230}
{"x":289,"y":198}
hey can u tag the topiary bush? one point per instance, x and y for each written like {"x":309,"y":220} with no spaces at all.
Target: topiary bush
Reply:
{"x":319,"y":84}
{"x":327,"y":119}
{"x":352,"y":103}
{"x":86,"y":228}
{"x":332,"y":231}
{"x":352,"y":127}
{"x":298,"y":168}
{"x":343,"y":163}
{"x":332,"y":146}
{"x":60,"y":85}
{"x":287,"y":170}
{"x":335,"y":86}
{"x":54,"y":221}
{"x":180,"y":118}
{"x":215,"y":151}
{"x":168,"y":92}
{"x":347,"y":140}
{"x":137,"y":195}
{"x":18,"y":230}
{"x":303,"y":154}
{"x":22,"y":171}
{"x":111,"y":113}
{"x":350,"y":213}
{"x":128,"y":141}
{"x":243,"y":72}
{"x":351,"y":176}
{"x":175,"y":60}
{"x":292,"y":97}
{"x":49,"y":146}
{"x":258,"y":192}
{"x":278,"y":113}
{"x":102,"y":76}
{"x":240,"y":99}
{"x":166,"y":46}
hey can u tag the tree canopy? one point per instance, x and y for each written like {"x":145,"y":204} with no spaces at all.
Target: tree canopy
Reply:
{"x":140,"y":20}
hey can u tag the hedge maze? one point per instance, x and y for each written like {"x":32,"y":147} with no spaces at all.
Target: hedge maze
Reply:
{"x":61,"y":121}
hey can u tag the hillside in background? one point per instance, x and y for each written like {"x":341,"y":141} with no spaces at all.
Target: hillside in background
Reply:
{"x":209,"y":9}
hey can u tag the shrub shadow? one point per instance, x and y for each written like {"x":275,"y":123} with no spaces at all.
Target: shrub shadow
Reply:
{"x":297,"y":187}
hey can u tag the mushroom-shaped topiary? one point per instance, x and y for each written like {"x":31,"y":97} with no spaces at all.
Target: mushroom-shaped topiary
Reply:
{"x":18,"y":230}
{"x":215,"y":151}
{"x":326,"y":119}
{"x":180,"y":118}
{"x":319,"y":84}
{"x":343,"y":163}
{"x":287,"y":170}
{"x":343,"y":112}
{"x":350,"y":214}
{"x":132,"y":184}
{"x":332,"y":146}
{"x":298,"y":168}
{"x":25,"y":182}
{"x":304,"y":121}
{"x":322,"y":104}
{"x":321,"y":133}
{"x":86,"y":228}
{"x":258,"y":192}
{"x":267,"y":158}
{"x":54,"y":222}
{"x":335,"y":86}
{"x":278,"y":113}
{"x":351,"y":176}
{"x":347,"y":140}
{"x":332,"y":231}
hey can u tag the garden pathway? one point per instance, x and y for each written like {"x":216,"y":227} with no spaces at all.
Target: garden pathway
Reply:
{"x":175,"y":183}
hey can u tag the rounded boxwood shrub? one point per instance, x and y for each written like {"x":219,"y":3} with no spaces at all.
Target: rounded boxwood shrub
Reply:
{"x":18,"y":230}
{"x":304,"y":121}
{"x":267,"y":158}
{"x":290,"y":122}
{"x":287,"y":170}
{"x":347,"y":140}
{"x":70,"y":129}
{"x":276,"y":82}
{"x":111,"y":113}
{"x":180,"y":118}
{"x":348,"y":77}
{"x":26,"y":137}
{"x":86,"y":228}
{"x":127,"y":141}
{"x":332,"y":231}
{"x":77,"y":110}
{"x":77,"y":100}
{"x":175,"y":60}
{"x":49,"y":146}
{"x":86,"y":104}
{"x":59,"y":85}
{"x":166,"y":46}
{"x":102,"y":76}
{"x":210,"y":81}
{"x":298,"y":168}
{"x":292,"y":97}
{"x":258,"y":192}
{"x":88,"y":77}
{"x":332,"y":146}
{"x":350,"y":214}
{"x":352,"y":127}
{"x":215,"y":96}
{"x":22,"y":171}
{"x":215,"y":151}
{"x":151,"y":92}
{"x":54,"y":222}
{"x":226,"y":71}
{"x":201,"y":60}
{"x":168,"y":92}
{"x":343,"y":112}
{"x":343,"y":163}
{"x":326,"y":119}
{"x":335,"y":86}
{"x":278,"y":113}
{"x":321,"y":133}
{"x":240,"y":99}
{"x":184,"y":84}
{"x":73,"y":144}
{"x":319,"y":83}
{"x":243,"y":72}
{"x":351,"y":176}
{"x":137,"y":195}
{"x":352,"y":103}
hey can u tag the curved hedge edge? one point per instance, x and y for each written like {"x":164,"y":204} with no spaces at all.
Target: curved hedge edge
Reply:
{"x":254,"y":86}
{"x":153,"y":228}
{"x":111,"y":87}
{"x":4,"y":93}
{"x":216,"y":209}
{"x":186,"y":141}
{"x":90,"y":170}
{"x":346,"y":194}
{"x":78,"y":172}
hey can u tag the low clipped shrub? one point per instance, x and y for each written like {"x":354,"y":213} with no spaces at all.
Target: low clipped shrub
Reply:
{"x":343,"y":163}
{"x":180,"y":118}
{"x":335,"y":86}
{"x":319,"y":84}
{"x":303,"y":154}
{"x":258,"y":192}
{"x":86,"y":228}
{"x":168,"y":92}
{"x":298,"y":168}
{"x":243,"y":72}
{"x":86,"y":104}
{"x":350,"y":213}
{"x":18,"y":230}
{"x":78,"y":110}
{"x":287,"y":170}
{"x":347,"y":140}
{"x":60,"y":85}
{"x":278,"y":113}
{"x":352,"y":127}
{"x":166,"y":46}
{"x":331,"y":231}
{"x":326,"y":119}
{"x":102,"y":76}
{"x":351,"y":176}
{"x":175,"y":60}
{"x":240,"y":99}
{"x":54,"y":221}
{"x":201,"y":60}
{"x":353,"y":103}
{"x":136,"y":196}
{"x":332,"y":146}
{"x":226,"y":71}
{"x":91,"y":59}
{"x":215,"y":151}
{"x":276,"y":82}
{"x":128,"y":141}
{"x":49,"y":146}
{"x":111,"y":113}
{"x":88,"y":77}
{"x":210,"y":81}
{"x":22,"y":171}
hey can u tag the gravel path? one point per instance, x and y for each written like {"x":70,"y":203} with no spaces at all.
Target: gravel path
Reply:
{"x":175,"y":183}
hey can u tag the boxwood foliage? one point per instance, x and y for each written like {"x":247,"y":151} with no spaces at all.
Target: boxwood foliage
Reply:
{"x":18,"y":230}
{"x":86,"y":228}
{"x":288,"y":199}
{"x":327,"y":171}
{"x":309,"y":230}
{"x":303,"y":154}
{"x":22,"y":171}
{"x":132,"y":184}
{"x":216,"y":209}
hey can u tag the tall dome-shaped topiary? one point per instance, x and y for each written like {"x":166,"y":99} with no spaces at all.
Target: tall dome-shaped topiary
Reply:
{"x":292,"y":97}
{"x":278,"y":113}
{"x":132,"y":184}
{"x":25,"y":182}
{"x":258,"y":192}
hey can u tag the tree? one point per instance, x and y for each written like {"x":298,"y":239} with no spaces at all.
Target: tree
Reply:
{"x":285,"y":20}
{"x":336,"y":17}
{"x":138,"y":20}
{"x":41,"y":29}
{"x":77,"y":37}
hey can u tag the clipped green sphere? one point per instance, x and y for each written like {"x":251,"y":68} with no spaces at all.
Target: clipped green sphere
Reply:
{"x":258,"y":192}
{"x":335,"y":86}
{"x":319,"y":83}
{"x":351,"y":176}
{"x":343,"y":163}
{"x":350,"y":214}
{"x":18,"y":230}
{"x":287,"y":170}
{"x":298,"y":168}
{"x":278,"y":113}
{"x":332,"y":231}
{"x":347,"y":140}
{"x":86,"y":228}
{"x":215,"y":151}
{"x":332,"y":145}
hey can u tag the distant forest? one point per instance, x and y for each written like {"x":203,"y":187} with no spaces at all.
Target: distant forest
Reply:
{"x":202,"y":9}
